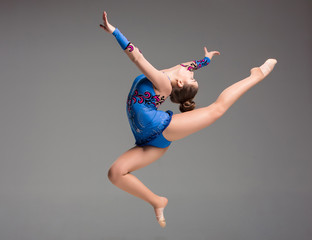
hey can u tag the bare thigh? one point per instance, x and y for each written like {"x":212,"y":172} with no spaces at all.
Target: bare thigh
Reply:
{"x":138,"y":157}
{"x":186,"y":123}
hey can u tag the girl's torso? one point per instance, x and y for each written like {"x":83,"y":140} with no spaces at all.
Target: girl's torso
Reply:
{"x":143,"y":102}
{"x":146,"y":121}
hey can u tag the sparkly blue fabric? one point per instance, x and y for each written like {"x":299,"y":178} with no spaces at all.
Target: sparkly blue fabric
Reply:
{"x":146,"y":121}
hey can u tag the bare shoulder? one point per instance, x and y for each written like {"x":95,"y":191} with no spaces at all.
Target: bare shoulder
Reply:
{"x":165,"y":88}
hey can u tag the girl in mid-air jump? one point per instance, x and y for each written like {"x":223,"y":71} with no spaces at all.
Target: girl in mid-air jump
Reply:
{"x":153,"y":129}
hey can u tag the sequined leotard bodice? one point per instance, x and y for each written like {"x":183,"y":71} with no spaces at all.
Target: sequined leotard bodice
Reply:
{"x":146,"y":121}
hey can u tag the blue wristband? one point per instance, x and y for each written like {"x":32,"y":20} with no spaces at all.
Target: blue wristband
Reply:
{"x":202,"y":63}
{"x":121,"y":39}
{"x":196,"y":64}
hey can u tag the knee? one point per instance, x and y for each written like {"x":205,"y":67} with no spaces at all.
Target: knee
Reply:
{"x":115,"y":172}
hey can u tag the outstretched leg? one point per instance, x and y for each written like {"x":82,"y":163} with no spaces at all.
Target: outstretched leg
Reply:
{"x":186,"y":123}
{"x":134,"y":159}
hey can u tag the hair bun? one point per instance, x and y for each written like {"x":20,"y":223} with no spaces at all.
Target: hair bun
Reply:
{"x":188,"y":105}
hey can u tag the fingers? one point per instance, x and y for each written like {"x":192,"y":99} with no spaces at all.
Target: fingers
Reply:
{"x":212,"y":52}
{"x":216,"y":53}
{"x":105,"y":17}
{"x":105,"y":22}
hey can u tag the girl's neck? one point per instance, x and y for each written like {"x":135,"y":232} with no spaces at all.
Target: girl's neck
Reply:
{"x":172,"y":73}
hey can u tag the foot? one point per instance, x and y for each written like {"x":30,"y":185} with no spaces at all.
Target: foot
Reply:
{"x":265,"y":69}
{"x":159,"y":211}
{"x":268,"y":66}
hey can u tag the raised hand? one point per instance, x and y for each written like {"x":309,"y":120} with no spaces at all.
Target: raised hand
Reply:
{"x":211,"y":53}
{"x":106,"y":25}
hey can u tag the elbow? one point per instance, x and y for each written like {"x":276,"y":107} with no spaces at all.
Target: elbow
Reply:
{"x":135,"y":59}
{"x":136,"y":56}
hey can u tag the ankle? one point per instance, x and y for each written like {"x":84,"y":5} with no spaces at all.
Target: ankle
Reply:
{"x":256,"y":73}
{"x":160,"y":203}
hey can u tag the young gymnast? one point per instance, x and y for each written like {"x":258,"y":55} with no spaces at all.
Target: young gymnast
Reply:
{"x":153,"y":129}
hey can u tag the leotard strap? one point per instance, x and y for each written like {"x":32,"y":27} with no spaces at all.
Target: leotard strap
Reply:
{"x":167,"y":76}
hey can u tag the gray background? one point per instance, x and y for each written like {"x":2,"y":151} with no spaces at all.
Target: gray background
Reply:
{"x":63,"y":89}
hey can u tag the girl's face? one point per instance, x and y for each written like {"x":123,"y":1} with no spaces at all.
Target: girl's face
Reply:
{"x":187,"y":77}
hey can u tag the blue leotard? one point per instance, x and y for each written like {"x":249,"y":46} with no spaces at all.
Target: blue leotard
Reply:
{"x":146,"y":121}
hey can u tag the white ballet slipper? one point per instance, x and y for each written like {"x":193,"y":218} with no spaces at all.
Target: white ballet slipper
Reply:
{"x":161,"y":219}
{"x":268,"y":66}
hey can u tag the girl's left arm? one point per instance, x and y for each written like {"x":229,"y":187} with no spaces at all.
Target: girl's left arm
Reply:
{"x":197,"y":64}
{"x":158,"y":78}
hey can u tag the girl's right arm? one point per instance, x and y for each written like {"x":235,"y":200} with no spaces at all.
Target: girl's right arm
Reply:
{"x":158,"y":78}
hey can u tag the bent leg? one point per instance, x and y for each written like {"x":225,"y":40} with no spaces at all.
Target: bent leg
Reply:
{"x":186,"y":123}
{"x":134,"y":159}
